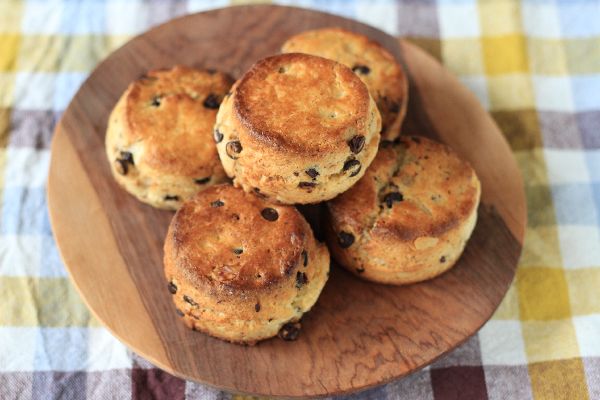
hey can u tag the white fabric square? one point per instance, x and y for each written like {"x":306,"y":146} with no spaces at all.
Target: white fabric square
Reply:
{"x":34,"y":91}
{"x":553,"y":93}
{"x":501,"y":343}
{"x":566,"y":166}
{"x":587,"y":330}
{"x":203,"y":5}
{"x":67,"y":85}
{"x":383,"y":15}
{"x":105,"y":352}
{"x":126,"y":17}
{"x":60,"y":349}
{"x":42,"y":17}
{"x":477,"y":85}
{"x":459,"y":20}
{"x":540,"y":19}
{"x":26,"y":167}
{"x":20,"y":255}
{"x":579,"y":246}
{"x":17,"y":348}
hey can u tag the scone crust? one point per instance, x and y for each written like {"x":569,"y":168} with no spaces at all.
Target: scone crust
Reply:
{"x":302,"y":135}
{"x":242,"y":267}
{"x":161,"y":129}
{"x":409,"y":216}
{"x":374,"y":64}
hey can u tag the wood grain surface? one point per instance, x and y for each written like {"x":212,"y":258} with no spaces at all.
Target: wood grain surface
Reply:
{"x":359,"y":334}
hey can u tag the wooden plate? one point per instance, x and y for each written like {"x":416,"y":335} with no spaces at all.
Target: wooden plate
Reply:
{"x":359,"y":334}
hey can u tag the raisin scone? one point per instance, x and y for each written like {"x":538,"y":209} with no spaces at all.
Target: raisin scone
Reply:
{"x":409,"y":218}
{"x":242,"y":269}
{"x":297,"y":128}
{"x":159,"y":137}
{"x":376,"y":66}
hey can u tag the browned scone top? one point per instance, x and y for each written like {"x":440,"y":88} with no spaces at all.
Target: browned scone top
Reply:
{"x":302,"y":103}
{"x":409,"y":217}
{"x":297,"y":128}
{"x":240,"y":268}
{"x":374,"y":64}
{"x":159,"y":138}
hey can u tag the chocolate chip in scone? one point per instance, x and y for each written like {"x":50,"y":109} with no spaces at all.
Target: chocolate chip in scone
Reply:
{"x":212,"y":101}
{"x":356,"y":144}
{"x":217,"y":135}
{"x":301,"y":279}
{"x":170,"y":197}
{"x":361,"y":69}
{"x":290,"y":331}
{"x":306,"y":185}
{"x":313,"y":173}
{"x":233,"y":149}
{"x":202,"y":181}
{"x":257,"y":307}
{"x":392,"y":197}
{"x":155,"y":101}
{"x":179,"y":312}
{"x":345,"y":239}
{"x":304,"y":258}
{"x":238,"y":251}
{"x":443,"y":259}
{"x":360,"y":270}
{"x":352,"y":165}
{"x":217,"y":203}
{"x":172,"y":288}
{"x":189,"y":300}
{"x":123,"y":161}
{"x":270,"y":214}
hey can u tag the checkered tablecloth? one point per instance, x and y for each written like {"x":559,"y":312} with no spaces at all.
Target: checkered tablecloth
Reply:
{"x":534,"y":65}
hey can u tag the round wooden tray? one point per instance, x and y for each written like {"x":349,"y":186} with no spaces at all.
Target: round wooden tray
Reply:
{"x":358,"y":334}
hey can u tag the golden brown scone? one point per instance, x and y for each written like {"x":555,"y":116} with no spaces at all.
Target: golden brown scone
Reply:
{"x":297,"y":129}
{"x":159,"y":138}
{"x":242,"y":269}
{"x":409,"y":218}
{"x":376,"y":66}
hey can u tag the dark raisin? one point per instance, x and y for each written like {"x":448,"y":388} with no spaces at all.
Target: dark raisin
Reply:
{"x":179,"y":312}
{"x":345,"y":239}
{"x":155,"y":101}
{"x":270,"y":214}
{"x":233,"y":149}
{"x":172,"y":288}
{"x":257,"y":307}
{"x":313,"y":173}
{"x":443,"y":259}
{"x":304,"y":258}
{"x":356,"y":144}
{"x":392,"y":197}
{"x":301,"y":279}
{"x":360,"y":270}
{"x":212,"y":101}
{"x":281,"y":70}
{"x":394,"y":107}
{"x":189,"y":300}
{"x":416,"y":139}
{"x":123,"y":161}
{"x":259,"y":193}
{"x":218,"y":136}
{"x":171,"y":198}
{"x":361,"y":69}
{"x":353,"y":165}
{"x":290,"y":331}
{"x":202,"y":181}
{"x":217,"y":203}
{"x":238,"y":251}
{"x":307,"y":185}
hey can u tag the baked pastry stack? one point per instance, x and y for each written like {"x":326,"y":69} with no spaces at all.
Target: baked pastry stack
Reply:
{"x":318,"y":123}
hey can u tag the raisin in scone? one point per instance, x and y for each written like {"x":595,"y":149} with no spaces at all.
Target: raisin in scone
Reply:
{"x":377,"y":68}
{"x":159,"y":138}
{"x":409,"y":218}
{"x":297,"y":129}
{"x":242,"y":269}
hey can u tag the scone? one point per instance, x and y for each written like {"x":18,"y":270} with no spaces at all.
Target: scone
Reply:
{"x":159,"y":138}
{"x":378,"y":69}
{"x":242,"y":269}
{"x":297,"y":129}
{"x":409,"y":218}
